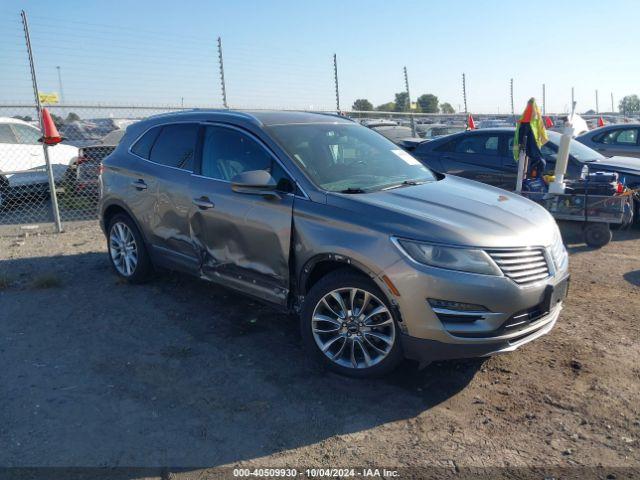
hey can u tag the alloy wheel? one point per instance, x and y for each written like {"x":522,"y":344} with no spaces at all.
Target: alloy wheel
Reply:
{"x":123,"y":249}
{"x":353,"y":328}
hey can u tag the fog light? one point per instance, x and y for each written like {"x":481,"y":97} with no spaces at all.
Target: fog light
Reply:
{"x":458,"y":306}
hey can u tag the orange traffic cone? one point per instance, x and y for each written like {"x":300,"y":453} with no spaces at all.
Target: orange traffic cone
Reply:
{"x":600,"y":122}
{"x":471,"y":125}
{"x":51,"y":135}
{"x":548,"y":123}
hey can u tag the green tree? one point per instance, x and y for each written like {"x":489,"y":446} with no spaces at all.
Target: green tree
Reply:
{"x":72,"y":117}
{"x":387,"y":107}
{"x":447,"y":108}
{"x":428,"y":103}
{"x":629,"y":104}
{"x":362,"y":104}
{"x":402,"y":103}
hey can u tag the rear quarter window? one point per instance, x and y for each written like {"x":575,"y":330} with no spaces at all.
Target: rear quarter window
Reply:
{"x":176,"y":146}
{"x":143,"y":146}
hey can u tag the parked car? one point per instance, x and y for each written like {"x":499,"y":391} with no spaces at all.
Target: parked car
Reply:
{"x":380,"y":257}
{"x":82,"y":133}
{"x":22,"y":163}
{"x":486,"y":156}
{"x":579,"y":124}
{"x":87,"y":167}
{"x":436,"y":130}
{"x":611,"y":140}
{"x":493,"y":123}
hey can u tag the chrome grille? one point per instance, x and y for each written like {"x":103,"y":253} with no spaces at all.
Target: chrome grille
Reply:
{"x":523,"y":266}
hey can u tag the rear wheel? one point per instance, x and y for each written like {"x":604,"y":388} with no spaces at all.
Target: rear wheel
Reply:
{"x":127,"y":251}
{"x":348,"y":324}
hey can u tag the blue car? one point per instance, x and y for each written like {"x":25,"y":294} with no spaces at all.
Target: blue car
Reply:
{"x":486,"y":156}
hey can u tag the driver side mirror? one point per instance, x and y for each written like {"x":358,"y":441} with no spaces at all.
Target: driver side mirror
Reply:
{"x":255,"y":182}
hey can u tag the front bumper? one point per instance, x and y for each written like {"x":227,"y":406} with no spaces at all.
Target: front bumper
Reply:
{"x":426,"y":350}
{"x":515,"y":314}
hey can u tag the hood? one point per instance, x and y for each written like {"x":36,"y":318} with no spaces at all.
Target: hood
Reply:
{"x":618,"y":164}
{"x":454,"y":211}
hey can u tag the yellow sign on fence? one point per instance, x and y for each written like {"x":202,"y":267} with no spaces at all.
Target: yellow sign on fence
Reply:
{"x":48,"y":97}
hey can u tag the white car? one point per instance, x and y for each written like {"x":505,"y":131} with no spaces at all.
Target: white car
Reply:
{"x":22,"y":164}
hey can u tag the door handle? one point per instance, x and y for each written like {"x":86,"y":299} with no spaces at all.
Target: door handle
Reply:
{"x":203,"y":203}
{"x":139,"y":184}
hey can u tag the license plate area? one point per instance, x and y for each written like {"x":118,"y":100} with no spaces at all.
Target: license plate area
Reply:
{"x":556,"y":294}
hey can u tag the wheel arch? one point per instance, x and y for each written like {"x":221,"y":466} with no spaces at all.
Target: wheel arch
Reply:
{"x":115,"y":208}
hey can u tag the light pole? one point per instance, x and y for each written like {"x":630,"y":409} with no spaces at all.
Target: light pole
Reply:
{"x":60,"y":84}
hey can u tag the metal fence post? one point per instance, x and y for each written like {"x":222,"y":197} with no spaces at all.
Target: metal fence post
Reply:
{"x":220,"y":61}
{"x":464,"y":93}
{"x":335,"y":78}
{"x":597,"y":106}
{"x":544,"y":99}
{"x":513,"y":112}
{"x":52,"y":183}
{"x":613,"y":109}
{"x":573,"y":98}
{"x":406,"y":84}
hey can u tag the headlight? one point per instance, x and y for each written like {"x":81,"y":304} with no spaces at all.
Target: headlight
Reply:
{"x":452,"y":258}
{"x":559,"y":252}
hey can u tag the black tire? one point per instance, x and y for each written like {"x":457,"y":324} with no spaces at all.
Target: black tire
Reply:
{"x":597,"y":235}
{"x":143,"y":267}
{"x":340,"y":279}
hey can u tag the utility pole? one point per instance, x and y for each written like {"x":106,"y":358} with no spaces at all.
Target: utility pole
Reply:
{"x":597,"y":109}
{"x":335,"y":79}
{"x":544,"y":99}
{"x":60,"y":85}
{"x":513,"y":113}
{"x":573,"y":100}
{"x":34,"y":81}
{"x":221,"y":62}
{"x":613,"y":110}
{"x":464,"y":93}
{"x":406,"y":84}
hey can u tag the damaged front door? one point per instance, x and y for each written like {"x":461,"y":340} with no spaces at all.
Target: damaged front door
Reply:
{"x":242,"y":240}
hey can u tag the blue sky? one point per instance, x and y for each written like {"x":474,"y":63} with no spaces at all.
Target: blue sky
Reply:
{"x":278,"y":53}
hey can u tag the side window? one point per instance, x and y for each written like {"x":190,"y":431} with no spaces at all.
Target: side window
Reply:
{"x":176,"y":146}
{"x":478,"y":144}
{"x":448,"y":146}
{"x":627,"y":136}
{"x":26,"y":135}
{"x":227,"y":153}
{"x":6,"y":134}
{"x":142,"y":147}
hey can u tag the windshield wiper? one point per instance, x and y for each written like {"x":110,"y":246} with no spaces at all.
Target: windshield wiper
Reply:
{"x":405,"y":184}
{"x":352,"y":190}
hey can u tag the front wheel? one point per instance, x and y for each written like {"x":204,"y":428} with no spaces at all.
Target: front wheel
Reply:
{"x":348,"y":324}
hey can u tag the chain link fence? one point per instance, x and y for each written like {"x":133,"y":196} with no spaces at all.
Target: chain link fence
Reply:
{"x":99,"y":83}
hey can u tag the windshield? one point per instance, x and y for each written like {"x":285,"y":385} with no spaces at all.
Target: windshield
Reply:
{"x":577,"y":150}
{"x":349,"y":157}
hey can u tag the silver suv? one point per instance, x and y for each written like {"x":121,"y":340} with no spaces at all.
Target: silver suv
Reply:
{"x":380,"y":257}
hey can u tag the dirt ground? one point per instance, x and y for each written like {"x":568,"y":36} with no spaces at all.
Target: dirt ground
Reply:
{"x":177,"y":372}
